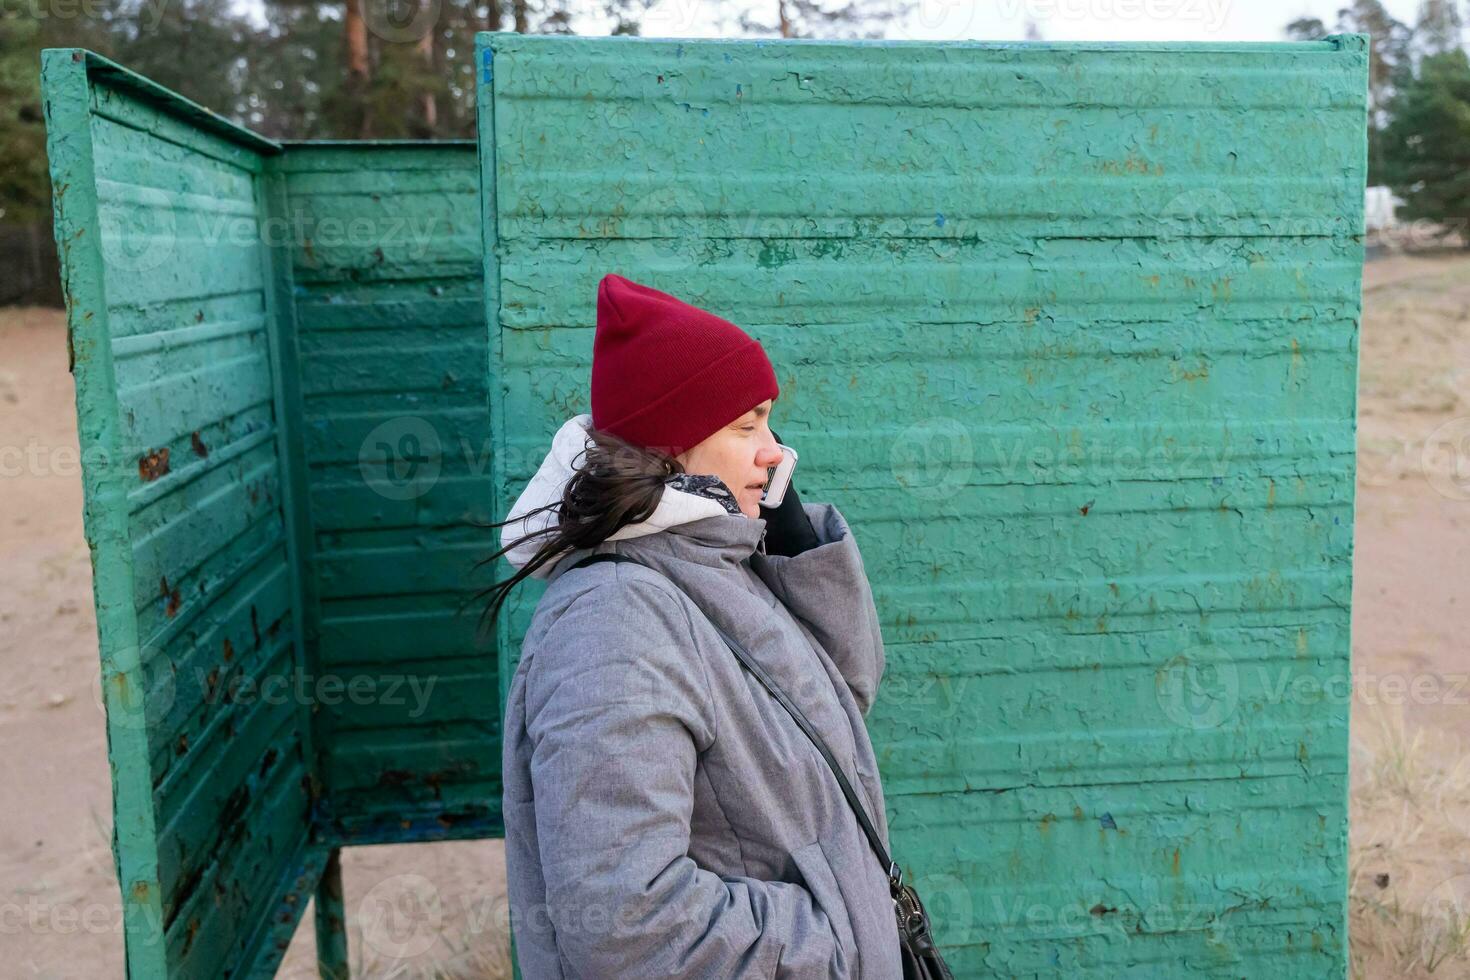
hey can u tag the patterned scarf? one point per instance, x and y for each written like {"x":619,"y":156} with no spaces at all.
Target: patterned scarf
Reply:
{"x":706,"y":486}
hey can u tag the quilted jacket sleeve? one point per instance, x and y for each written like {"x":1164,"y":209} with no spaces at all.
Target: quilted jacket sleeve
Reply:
{"x":828,"y":590}
{"x":617,"y":710}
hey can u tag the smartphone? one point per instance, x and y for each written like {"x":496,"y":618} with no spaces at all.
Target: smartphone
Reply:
{"x":780,"y":478}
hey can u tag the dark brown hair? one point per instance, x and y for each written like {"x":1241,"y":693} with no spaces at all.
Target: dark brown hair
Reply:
{"x":617,"y":485}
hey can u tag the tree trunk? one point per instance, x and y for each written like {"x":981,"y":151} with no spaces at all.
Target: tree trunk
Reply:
{"x":358,"y":69}
{"x":426,"y":101}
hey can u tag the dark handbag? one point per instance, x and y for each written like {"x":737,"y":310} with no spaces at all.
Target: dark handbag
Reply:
{"x":916,"y":949}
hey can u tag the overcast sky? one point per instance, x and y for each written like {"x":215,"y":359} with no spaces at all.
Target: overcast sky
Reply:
{"x":1005,"y":20}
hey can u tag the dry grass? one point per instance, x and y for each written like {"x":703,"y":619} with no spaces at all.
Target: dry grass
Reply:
{"x":1409,"y":865}
{"x":458,"y":953}
{"x":472,"y":960}
{"x":417,"y":912}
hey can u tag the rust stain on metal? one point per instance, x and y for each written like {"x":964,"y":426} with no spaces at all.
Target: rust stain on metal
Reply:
{"x":170,"y":597}
{"x":1132,"y":164}
{"x":153,"y":465}
{"x":200,"y":449}
{"x":193,"y":931}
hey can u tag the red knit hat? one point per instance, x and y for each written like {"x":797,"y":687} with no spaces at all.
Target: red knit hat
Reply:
{"x":666,"y":375}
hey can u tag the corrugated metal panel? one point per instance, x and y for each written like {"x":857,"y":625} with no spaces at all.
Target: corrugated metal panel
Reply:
{"x":392,"y":347}
{"x":1069,"y":332}
{"x":170,"y":305}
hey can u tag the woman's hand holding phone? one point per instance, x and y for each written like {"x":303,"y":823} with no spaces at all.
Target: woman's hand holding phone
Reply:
{"x":788,"y":530}
{"x":779,"y":477}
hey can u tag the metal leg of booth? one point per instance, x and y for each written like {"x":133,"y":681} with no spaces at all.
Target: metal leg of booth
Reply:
{"x":331,"y":923}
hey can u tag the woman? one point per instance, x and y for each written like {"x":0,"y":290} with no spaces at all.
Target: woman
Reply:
{"x":664,"y":815}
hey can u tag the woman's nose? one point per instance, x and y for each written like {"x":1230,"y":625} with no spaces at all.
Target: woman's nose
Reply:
{"x":770,"y":453}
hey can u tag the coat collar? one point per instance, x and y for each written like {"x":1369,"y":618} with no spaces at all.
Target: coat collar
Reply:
{"x":696,"y":528}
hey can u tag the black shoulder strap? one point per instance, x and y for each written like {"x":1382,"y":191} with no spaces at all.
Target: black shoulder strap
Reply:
{"x":895,"y":873}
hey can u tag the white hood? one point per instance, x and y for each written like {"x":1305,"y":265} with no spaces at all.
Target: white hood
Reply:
{"x":557,"y":469}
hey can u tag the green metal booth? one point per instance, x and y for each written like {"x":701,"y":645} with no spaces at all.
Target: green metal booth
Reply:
{"x":1068,"y":331}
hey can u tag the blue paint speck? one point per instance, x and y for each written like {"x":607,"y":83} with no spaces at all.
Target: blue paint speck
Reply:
{"x":737,"y":89}
{"x":679,"y":51}
{"x":488,"y":61}
{"x":1216,"y":480}
{"x":939,"y":219}
{"x":1107,"y":822}
{"x":728,"y":59}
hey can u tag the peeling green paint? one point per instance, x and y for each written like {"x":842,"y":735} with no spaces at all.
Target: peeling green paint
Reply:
{"x":1071,"y":331}
{"x":1064,"y":318}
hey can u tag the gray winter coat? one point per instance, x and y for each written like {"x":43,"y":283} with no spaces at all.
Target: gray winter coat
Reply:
{"x":664,"y":815}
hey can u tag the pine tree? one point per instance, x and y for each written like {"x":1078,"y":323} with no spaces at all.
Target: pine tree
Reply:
{"x":1427,"y":141}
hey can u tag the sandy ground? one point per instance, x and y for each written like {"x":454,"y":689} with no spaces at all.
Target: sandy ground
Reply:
{"x":443,"y":903}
